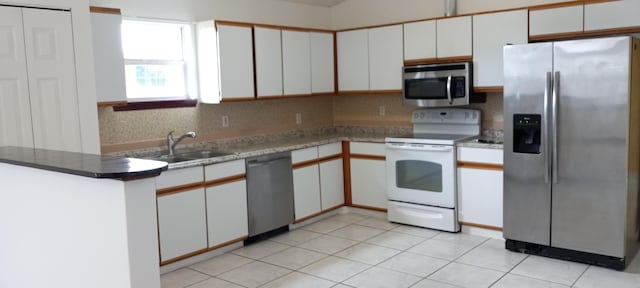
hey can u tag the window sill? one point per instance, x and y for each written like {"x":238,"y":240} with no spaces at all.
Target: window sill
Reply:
{"x":156,"y":105}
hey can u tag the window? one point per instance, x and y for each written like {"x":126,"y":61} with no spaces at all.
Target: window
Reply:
{"x":159,"y":61}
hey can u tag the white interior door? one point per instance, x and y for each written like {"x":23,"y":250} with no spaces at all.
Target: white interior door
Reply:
{"x":15,"y":111}
{"x":52,"y":79}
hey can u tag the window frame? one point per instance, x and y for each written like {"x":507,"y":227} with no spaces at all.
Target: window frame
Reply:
{"x":190,"y":71}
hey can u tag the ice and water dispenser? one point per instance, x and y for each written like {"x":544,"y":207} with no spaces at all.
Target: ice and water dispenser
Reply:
{"x":526,"y":133}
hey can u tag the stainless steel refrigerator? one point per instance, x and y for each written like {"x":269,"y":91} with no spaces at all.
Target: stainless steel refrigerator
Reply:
{"x":571,"y":149}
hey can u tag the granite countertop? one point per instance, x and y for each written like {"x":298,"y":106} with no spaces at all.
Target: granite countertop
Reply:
{"x":473,"y":143}
{"x":80,"y":164}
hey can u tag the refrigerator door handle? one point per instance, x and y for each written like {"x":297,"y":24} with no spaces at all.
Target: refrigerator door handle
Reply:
{"x":449,"y":88}
{"x":554,"y":116}
{"x":545,"y":128}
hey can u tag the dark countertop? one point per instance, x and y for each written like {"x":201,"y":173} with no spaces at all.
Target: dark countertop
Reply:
{"x":87,"y":165}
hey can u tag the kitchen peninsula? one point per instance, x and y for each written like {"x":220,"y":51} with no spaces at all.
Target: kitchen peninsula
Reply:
{"x":77,"y":220}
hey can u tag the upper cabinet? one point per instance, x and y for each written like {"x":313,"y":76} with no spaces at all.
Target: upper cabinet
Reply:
{"x":420,"y":40}
{"x":370,"y":60}
{"x":235,"y":60}
{"x":322,"y":62}
{"x":454,"y":37}
{"x":616,"y":15}
{"x":107,"y":53}
{"x":268,"y":52}
{"x":296,"y":62}
{"x":556,"y":23}
{"x":492,"y":32}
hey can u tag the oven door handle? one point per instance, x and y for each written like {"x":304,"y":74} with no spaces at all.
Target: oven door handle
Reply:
{"x":420,"y":147}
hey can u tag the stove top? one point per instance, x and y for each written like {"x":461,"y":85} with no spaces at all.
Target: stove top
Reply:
{"x":444,"y":126}
{"x":431,"y":138}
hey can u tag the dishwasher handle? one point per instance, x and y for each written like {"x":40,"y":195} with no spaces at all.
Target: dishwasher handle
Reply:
{"x":261,"y":162}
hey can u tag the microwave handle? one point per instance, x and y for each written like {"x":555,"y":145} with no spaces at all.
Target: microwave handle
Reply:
{"x":449,"y":89}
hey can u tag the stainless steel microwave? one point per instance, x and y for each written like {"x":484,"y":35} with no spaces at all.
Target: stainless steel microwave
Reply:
{"x":437,"y":85}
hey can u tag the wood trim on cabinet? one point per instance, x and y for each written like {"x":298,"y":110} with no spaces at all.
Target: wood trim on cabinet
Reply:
{"x":178,"y":189}
{"x":243,"y":99}
{"x":231,"y":23}
{"x":112,"y":103}
{"x":227,"y":243}
{"x":423,"y":61}
{"x":316,"y":214}
{"x":427,"y":61}
{"x":368,"y":207}
{"x":556,"y":5}
{"x":378,"y":92}
{"x":225,"y":180}
{"x":612,"y":31}
{"x":132,"y":106}
{"x":304,"y":164}
{"x":353,"y":92}
{"x":104,"y":10}
{"x":202,"y":251}
{"x":329,"y":158}
{"x":477,"y":165}
{"x":368,"y":157}
{"x":489,"y":227}
{"x":271,"y":26}
{"x":489,"y":89}
{"x":335,"y":62}
{"x":320,"y":94}
{"x":346,"y":173}
{"x":555,"y":36}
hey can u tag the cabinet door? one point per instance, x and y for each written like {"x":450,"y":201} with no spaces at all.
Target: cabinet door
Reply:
{"x":296,"y":62}
{"x":227,"y":212}
{"x":353,"y":60}
{"x":420,"y":40}
{"x":235,"y":57}
{"x":182,"y":223}
{"x":493,"y":31}
{"x":109,"y":61}
{"x":306,"y":191}
{"x":611,"y":15}
{"x":268,"y":45}
{"x":15,"y":109}
{"x":52,"y":79}
{"x":331,"y":184}
{"x":560,"y":20}
{"x":454,"y":37}
{"x":385,"y":58}
{"x":368,"y":183}
{"x":322,"y":63}
{"x":480,"y":196}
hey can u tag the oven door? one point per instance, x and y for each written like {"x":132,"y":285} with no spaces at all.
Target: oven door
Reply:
{"x":421,"y":174}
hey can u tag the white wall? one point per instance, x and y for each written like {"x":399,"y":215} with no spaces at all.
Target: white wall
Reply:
{"x":254,"y":11}
{"x":83,"y":50}
{"x":360,"y":13}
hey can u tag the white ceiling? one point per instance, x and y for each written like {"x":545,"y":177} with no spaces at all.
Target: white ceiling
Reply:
{"x":325,"y":3}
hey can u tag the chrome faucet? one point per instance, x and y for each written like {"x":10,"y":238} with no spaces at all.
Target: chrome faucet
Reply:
{"x":172,"y":143}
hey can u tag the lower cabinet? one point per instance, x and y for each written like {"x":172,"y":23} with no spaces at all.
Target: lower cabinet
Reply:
{"x":480,"y":187}
{"x":367,"y":168}
{"x":318,"y":183}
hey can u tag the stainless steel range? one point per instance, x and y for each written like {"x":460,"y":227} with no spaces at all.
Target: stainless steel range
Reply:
{"x":421,"y":168}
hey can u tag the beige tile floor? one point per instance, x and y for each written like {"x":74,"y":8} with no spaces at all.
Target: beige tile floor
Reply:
{"x":353,"y":250}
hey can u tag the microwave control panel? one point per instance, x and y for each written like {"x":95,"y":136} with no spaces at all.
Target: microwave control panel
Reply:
{"x":458,"y":87}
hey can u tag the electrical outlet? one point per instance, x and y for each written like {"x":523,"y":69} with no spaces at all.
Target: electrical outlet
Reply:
{"x":298,"y":118}
{"x":381,"y":110}
{"x":225,"y":121}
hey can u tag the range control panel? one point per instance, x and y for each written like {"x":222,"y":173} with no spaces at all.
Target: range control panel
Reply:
{"x":446,"y":116}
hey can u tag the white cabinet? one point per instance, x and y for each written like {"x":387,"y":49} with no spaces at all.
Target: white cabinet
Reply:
{"x":226,"y":202}
{"x":107,"y":53}
{"x":367,"y":169}
{"x":453,"y":37}
{"x":420,"y":40}
{"x":480,"y":187}
{"x":322,"y":62}
{"x":331,"y":183}
{"x":385,"y":58}
{"x":38,"y":89}
{"x":556,"y":22}
{"x":235,"y":60}
{"x":353,"y":60}
{"x":611,"y":15}
{"x":491,"y":33}
{"x":268,"y":52}
{"x":296,"y":62}
{"x":182,"y":224}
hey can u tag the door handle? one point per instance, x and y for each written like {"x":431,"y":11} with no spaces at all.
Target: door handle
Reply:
{"x":545,"y":128}
{"x":449,"y":89}
{"x":554,"y":116}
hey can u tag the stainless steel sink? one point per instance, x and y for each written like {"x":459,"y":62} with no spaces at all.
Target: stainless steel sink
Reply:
{"x":190,"y":155}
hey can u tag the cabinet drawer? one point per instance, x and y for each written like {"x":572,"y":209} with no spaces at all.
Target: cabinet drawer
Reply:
{"x":329,"y":150}
{"x":226,"y":169}
{"x":365,"y":148}
{"x":179,"y":177}
{"x":304,"y":155}
{"x":480,"y":155}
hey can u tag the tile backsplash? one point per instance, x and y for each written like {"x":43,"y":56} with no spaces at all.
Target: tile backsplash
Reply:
{"x":120,"y":131}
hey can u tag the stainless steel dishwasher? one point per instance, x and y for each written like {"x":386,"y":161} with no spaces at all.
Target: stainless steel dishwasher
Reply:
{"x":269,"y":193}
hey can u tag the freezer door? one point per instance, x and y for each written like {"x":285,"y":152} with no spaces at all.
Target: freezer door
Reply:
{"x":590,"y":175}
{"x":527,"y":190}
